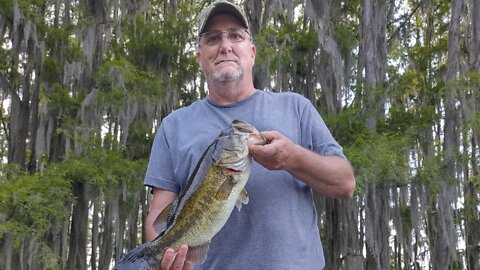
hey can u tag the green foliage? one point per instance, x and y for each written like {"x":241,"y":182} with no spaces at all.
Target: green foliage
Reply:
{"x":62,"y":104}
{"x":429,"y":174}
{"x":475,"y":182}
{"x":62,"y":40}
{"x":4,"y":61}
{"x":153,"y":56}
{"x":346,"y":37}
{"x":406,"y":217}
{"x":30,"y":202}
{"x":410,"y":122}
{"x":286,"y":46}
{"x":399,"y":121}
{"x":140,"y":140}
{"x":52,"y":70}
{"x":6,"y":6}
{"x":105,"y":170}
{"x":266,"y":43}
{"x":153,"y":46}
{"x":28,"y":7}
{"x":120,"y":80}
{"x":379,"y":159}
{"x":346,"y":125}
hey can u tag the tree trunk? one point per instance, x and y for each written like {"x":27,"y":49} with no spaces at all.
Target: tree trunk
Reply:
{"x":106,"y":247}
{"x":444,"y":247}
{"x":95,"y":234}
{"x":18,"y":127}
{"x":330,"y":75}
{"x":34,"y":116}
{"x":372,"y":65}
{"x":6,"y":253}
{"x":77,"y":251}
{"x":474,"y":51}
{"x":472,"y":220}
{"x":376,"y":227}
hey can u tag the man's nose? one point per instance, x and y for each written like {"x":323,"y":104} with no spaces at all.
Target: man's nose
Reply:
{"x":225,"y":43}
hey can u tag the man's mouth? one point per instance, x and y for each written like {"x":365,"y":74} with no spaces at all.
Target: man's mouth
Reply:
{"x":224,"y":61}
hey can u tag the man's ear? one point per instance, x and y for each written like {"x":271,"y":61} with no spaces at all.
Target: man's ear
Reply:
{"x":198,"y":61}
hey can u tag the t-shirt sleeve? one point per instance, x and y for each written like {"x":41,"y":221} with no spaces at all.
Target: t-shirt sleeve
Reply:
{"x":315,"y":134}
{"x":160,"y":169}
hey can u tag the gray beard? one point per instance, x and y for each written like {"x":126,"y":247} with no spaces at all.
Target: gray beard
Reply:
{"x":220,"y":76}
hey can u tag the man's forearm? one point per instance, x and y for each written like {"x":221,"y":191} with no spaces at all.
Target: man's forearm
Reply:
{"x":331,"y":176}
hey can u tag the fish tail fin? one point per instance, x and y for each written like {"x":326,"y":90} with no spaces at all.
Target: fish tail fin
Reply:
{"x":142,"y":257}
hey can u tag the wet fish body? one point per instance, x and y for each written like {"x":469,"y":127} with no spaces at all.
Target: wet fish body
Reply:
{"x":215,"y":187}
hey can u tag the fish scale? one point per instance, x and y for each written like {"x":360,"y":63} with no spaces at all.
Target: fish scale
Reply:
{"x":204,"y":198}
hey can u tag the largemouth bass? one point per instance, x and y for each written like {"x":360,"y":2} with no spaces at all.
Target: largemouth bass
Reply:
{"x":215,"y":187}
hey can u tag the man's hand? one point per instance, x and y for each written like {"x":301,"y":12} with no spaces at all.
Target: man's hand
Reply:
{"x":275,"y":155}
{"x":172,"y":261}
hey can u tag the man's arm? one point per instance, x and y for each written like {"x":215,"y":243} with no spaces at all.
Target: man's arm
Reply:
{"x":161,"y":198}
{"x":331,"y":176}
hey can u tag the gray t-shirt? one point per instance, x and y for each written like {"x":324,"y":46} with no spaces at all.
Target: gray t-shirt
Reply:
{"x":277,"y":229}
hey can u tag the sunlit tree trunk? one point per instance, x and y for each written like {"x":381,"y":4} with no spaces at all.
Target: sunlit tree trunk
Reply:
{"x":472,"y":219}
{"x":444,"y":247}
{"x":95,"y":234}
{"x":331,"y":72}
{"x":372,"y":69}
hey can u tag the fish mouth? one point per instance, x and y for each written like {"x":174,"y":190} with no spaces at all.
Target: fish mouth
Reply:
{"x":254,"y":136}
{"x":243,"y":127}
{"x":231,"y":171}
{"x":257,"y":138}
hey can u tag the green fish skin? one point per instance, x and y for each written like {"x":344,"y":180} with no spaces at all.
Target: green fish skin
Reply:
{"x":215,"y":187}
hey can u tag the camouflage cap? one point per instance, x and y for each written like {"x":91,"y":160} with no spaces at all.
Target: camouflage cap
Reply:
{"x":218,"y":7}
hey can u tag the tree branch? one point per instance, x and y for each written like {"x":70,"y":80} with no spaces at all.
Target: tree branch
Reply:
{"x":397,"y":31}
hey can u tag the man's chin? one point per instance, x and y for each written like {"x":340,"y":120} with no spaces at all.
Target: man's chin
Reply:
{"x":226,"y":76}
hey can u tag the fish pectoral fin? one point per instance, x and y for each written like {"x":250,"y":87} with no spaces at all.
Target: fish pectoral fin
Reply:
{"x":198,"y":254}
{"x":161,"y":222}
{"x":242,"y":199}
{"x":225,"y":189}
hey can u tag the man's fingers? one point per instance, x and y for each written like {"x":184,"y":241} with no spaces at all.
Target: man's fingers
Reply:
{"x":180,"y":258}
{"x":167,"y":259}
{"x":270,"y":135}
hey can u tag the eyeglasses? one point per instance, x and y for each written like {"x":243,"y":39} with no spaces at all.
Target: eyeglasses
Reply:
{"x":233,"y":35}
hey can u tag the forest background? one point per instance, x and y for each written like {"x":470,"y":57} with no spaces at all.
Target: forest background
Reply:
{"x":85,"y":83}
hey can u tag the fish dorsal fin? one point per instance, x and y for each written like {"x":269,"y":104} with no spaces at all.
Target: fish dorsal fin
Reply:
{"x":226,"y":188}
{"x":164,"y":219}
{"x":242,"y":199}
{"x":198,"y":254}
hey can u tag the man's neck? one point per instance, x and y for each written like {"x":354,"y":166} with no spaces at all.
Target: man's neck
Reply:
{"x":225,"y":93}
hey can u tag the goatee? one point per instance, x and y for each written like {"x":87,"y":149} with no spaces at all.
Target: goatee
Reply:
{"x":226,"y":76}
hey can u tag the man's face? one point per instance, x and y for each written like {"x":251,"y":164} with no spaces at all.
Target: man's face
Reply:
{"x":227,"y":59}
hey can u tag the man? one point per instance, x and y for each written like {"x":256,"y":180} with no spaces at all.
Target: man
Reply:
{"x":277,"y":229}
